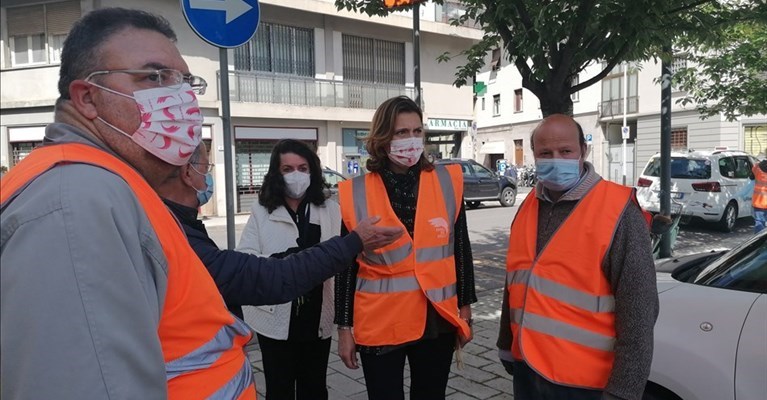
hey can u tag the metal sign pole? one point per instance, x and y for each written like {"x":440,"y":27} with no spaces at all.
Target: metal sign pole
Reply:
{"x":665,"y":148}
{"x":225,"y":24}
{"x":226,"y":120}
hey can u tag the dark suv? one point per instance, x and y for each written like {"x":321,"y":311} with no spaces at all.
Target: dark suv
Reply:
{"x":481,"y":184}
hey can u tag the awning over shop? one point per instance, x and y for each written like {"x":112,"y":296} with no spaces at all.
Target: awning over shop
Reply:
{"x":493,"y":148}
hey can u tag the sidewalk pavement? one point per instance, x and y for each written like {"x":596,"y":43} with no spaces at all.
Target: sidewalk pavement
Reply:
{"x":482,"y":376}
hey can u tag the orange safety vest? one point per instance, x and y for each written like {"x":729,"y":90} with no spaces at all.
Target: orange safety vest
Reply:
{"x":760,"y":188}
{"x":395,"y":282}
{"x":561,"y":304}
{"x":202,"y":342}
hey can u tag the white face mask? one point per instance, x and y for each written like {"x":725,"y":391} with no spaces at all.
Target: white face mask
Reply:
{"x":406,"y":152}
{"x":296,"y":183}
{"x":171,"y":122}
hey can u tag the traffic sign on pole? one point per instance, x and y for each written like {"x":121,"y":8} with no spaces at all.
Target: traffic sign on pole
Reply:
{"x":589,"y":138}
{"x":222,"y":23}
{"x":625,"y":132}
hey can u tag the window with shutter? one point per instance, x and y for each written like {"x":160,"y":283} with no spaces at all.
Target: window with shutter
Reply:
{"x":280,"y":49}
{"x":373,"y":60}
{"x":36,"y":33}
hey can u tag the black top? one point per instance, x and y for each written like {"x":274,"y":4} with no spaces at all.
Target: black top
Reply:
{"x":402,"y":190}
{"x":306,"y":310}
{"x":249,"y":280}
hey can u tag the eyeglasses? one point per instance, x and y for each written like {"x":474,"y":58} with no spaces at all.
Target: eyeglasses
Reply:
{"x":165,"y":77}
{"x":208,"y":167}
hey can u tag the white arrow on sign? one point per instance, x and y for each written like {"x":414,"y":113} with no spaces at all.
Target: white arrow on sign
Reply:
{"x":233,"y":8}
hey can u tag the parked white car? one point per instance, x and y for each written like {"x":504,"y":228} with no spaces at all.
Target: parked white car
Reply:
{"x":711,"y":334}
{"x":709,"y":185}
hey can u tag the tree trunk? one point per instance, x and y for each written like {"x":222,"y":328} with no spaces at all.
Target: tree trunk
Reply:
{"x":555,"y":103}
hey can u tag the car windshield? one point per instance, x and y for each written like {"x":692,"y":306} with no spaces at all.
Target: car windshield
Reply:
{"x":682,"y":168}
{"x":742,"y":268}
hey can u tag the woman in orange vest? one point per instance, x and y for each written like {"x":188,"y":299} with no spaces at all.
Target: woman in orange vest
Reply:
{"x":411,"y":299}
{"x":759,"y":200}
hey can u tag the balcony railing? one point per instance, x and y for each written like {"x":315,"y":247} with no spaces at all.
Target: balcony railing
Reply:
{"x":452,"y":9}
{"x":250,"y":87}
{"x":612,"y":108}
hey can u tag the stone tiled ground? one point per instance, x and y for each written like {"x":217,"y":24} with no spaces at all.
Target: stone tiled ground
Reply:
{"x":482,"y":375}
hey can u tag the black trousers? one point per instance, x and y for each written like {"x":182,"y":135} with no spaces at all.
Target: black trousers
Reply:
{"x":529,"y":385}
{"x":429,"y":361}
{"x":295,"y":369}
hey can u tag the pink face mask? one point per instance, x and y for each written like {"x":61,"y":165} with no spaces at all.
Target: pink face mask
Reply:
{"x":171,"y":122}
{"x":406,"y":152}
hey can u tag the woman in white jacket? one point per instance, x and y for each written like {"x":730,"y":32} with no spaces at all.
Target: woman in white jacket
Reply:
{"x":292,"y":213}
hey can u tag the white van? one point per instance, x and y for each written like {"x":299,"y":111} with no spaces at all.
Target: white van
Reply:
{"x":708,"y":184}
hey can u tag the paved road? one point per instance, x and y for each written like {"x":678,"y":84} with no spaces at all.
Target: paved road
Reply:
{"x":483,"y":376}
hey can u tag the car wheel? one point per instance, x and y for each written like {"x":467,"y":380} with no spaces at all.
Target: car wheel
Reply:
{"x":729,"y":216}
{"x":472,"y":204}
{"x":508,"y":196}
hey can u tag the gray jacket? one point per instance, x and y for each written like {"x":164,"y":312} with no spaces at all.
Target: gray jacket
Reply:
{"x":83,"y":278}
{"x":629,"y":268}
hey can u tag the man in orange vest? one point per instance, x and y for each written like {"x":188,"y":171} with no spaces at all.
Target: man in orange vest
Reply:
{"x":759,"y":201}
{"x":580,"y":300}
{"x":101,"y":295}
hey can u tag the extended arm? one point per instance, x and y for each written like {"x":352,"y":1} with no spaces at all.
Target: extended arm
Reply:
{"x":247,"y":279}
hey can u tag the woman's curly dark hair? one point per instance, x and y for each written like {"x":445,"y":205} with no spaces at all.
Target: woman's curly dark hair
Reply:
{"x":272,"y":192}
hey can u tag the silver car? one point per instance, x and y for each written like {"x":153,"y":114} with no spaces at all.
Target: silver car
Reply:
{"x":711,"y":334}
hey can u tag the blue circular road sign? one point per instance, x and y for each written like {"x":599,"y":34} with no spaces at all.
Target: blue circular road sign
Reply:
{"x":222,"y":23}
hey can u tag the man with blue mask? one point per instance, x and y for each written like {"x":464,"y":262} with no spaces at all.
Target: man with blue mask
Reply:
{"x":580,"y":300}
{"x":246,"y":279}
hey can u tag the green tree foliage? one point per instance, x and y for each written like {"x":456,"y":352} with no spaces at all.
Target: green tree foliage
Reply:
{"x":551,"y":41}
{"x":727,"y":72}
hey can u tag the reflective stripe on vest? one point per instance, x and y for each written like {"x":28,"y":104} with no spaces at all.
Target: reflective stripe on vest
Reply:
{"x":561,"y":304}
{"x":564,"y":294}
{"x":207,"y":354}
{"x":562,"y":330}
{"x":394,"y":283}
{"x":202,"y":343}
{"x":404,"y":284}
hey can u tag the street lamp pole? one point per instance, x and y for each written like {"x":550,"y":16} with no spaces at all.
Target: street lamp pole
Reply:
{"x":417,"y":53}
{"x":625,"y":128}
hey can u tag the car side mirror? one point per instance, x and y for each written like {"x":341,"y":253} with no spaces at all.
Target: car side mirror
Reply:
{"x":661,"y":224}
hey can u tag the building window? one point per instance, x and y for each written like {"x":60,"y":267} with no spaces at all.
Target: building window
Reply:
{"x":612,"y":92}
{"x":19,"y":150}
{"x":495,"y":62}
{"x":679,"y":139}
{"x":679,"y":63}
{"x":483,"y":104}
{"x":574,"y":96}
{"x":373,"y":60}
{"x":755,"y":139}
{"x":496,"y":105}
{"x":36,"y":33}
{"x":518,"y":100}
{"x":279,"y":49}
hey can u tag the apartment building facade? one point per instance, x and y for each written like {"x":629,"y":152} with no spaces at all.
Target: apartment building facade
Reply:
{"x":310,"y":72}
{"x":507,"y":113}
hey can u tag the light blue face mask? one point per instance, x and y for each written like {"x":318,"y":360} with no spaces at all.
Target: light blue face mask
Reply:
{"x":203,"y":196}
{"x":558,"y":174}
